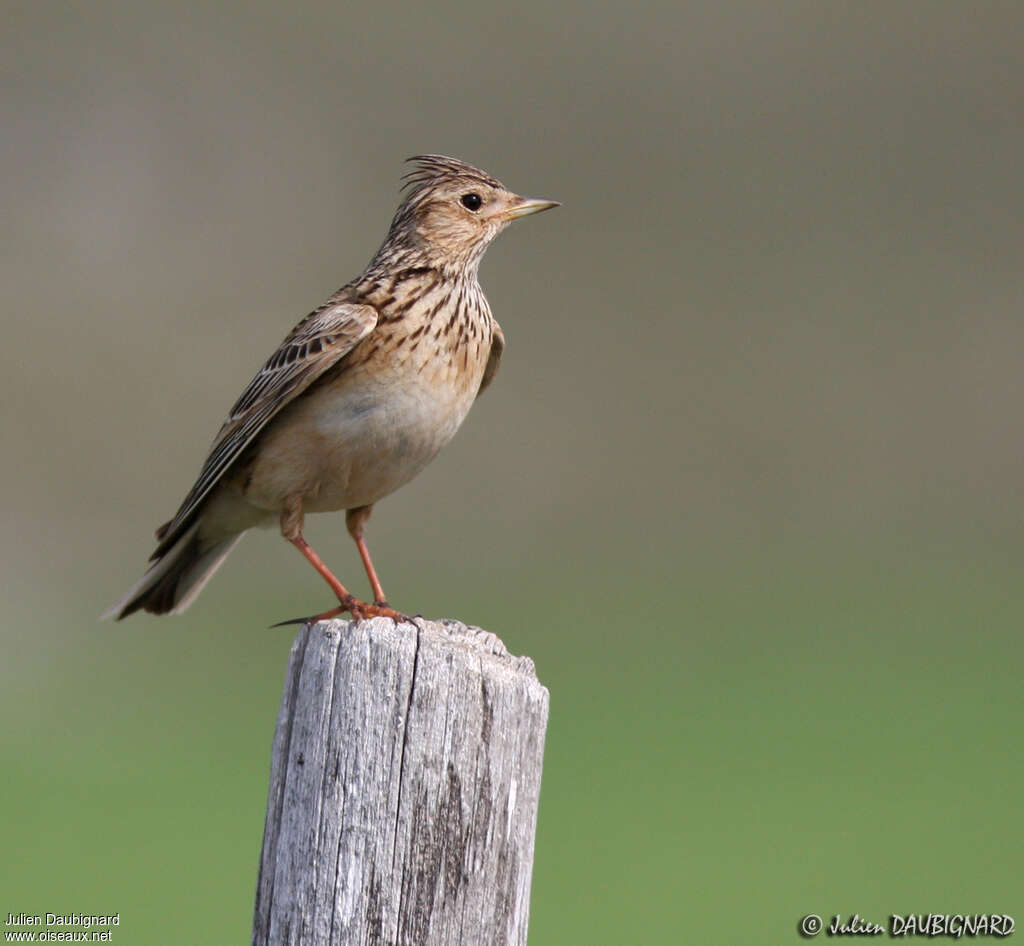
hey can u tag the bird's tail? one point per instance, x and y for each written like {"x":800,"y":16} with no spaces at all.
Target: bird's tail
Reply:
{"x":175,"y":579}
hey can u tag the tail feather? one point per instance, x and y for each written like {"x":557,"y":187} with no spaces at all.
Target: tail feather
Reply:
{"x":173,"y":581}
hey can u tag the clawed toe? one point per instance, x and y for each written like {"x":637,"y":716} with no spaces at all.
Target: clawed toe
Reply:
{"x":292,"y":621}
{"x":381,"y":609}
{"x":314,"y":618}
{"x":384,"y":610}
{"x":359,"y":610}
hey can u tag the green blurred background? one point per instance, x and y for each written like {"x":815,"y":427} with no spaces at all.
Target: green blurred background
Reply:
{"x":748,"y":488}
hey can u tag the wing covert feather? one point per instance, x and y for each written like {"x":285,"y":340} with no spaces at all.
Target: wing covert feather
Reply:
{"x":317,"y":343}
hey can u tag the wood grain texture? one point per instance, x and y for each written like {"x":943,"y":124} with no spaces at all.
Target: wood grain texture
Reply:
{"x":403,"y":789}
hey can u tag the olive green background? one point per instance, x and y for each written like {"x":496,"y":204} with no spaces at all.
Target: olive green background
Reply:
{"x":748,"y":487}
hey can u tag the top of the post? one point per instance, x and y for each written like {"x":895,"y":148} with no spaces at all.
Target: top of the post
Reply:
{"x":443,"y":633}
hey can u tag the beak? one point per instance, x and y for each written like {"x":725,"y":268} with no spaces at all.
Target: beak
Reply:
{"x":524,"y":206}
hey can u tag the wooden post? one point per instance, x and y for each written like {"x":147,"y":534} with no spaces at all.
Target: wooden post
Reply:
{"x":403,"y":789}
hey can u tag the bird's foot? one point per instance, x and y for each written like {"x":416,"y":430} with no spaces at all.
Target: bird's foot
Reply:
{"x":358,"y":609}
{"x":379,"y":609}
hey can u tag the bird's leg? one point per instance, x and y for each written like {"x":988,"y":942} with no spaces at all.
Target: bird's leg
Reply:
{"x":291,"y":528}
{"x":355,"y":519}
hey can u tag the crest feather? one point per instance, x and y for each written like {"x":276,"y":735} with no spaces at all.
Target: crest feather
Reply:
{"x":431,"y":170}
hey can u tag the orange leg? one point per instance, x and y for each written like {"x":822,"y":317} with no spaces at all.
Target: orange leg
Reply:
{"x":355,"y":519}
{"x":291,"y":529}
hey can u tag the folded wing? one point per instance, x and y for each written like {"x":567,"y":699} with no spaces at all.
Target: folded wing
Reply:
{"x":317,"y":343}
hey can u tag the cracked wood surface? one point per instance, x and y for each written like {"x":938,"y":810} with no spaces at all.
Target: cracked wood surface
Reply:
{"x":404,"y":781}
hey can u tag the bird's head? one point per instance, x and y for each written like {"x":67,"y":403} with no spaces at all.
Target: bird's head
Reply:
{"x":452,"y":210}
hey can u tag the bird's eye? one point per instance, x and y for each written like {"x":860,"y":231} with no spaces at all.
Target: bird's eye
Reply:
{"x":471,"y":201}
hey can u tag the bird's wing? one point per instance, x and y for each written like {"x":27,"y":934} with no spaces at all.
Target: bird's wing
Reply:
{"x":319,"y":341}
{"x":494,"y":358}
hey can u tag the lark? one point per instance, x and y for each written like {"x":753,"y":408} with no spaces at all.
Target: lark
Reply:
{"x":359,"y":397}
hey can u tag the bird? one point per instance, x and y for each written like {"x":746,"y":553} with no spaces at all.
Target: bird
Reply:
{"x":359,"y":397}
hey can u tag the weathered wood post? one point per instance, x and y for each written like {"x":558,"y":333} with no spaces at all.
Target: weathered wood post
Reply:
{"x":403,"y":789}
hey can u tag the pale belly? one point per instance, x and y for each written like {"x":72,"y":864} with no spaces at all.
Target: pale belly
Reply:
{"x":352,"y":443}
